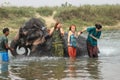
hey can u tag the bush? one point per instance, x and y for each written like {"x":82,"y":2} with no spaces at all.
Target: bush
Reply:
{"x":45,"y":11}
{"x":105,"y":14}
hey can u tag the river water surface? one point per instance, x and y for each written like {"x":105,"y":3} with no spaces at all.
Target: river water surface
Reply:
{"x":106,"y":67}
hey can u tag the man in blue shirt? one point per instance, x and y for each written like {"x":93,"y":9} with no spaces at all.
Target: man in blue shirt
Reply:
{"x":4,"y":45}
{"x":94,"y":34}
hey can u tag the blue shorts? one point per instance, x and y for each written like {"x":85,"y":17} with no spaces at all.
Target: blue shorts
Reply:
{"x":4,"y":56}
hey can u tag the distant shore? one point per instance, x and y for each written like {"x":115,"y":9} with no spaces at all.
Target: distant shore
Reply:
{"x":83,"y":16}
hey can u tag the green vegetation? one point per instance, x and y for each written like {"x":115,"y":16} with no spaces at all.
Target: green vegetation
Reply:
{"x":45,"y":11}
{"x":87,"y":15}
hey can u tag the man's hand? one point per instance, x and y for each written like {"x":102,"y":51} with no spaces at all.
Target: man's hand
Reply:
{"x":80,"y":32}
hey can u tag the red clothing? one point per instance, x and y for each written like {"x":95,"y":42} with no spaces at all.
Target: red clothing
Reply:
{"x":72,"y":51}
{"x":92,"y":50}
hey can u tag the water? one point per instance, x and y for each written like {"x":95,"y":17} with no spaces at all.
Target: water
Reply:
{"x":106,"y":67}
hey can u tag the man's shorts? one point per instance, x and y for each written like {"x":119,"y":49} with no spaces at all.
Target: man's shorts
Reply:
{"x":4,"y":56}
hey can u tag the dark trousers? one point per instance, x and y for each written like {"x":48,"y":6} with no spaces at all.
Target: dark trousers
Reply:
{"x":92,"y":50}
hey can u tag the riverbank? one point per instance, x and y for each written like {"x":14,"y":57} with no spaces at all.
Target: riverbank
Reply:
{"x":82,"y":16}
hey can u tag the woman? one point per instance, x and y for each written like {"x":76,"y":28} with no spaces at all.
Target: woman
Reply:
{"x":94,"y":34}
{"x":72,"y":41}
{"x":57,"y":41}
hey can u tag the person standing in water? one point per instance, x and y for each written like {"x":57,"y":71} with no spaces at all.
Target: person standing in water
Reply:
{"x":57,"y":34}
{"x":94,"y":34}
{"x":4,"y":45}
{"x":72,"y":43}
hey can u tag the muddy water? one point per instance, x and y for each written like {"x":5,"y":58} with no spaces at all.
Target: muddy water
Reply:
{"x":106,"y":67}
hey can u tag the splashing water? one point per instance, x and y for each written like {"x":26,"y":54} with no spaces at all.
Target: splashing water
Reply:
{"x":109,"y":45}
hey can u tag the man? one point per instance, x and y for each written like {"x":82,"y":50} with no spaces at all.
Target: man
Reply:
{"x":94,"y":34}
{"x":4,"y":45}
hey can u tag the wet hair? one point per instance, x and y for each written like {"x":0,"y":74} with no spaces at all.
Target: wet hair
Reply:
{"x":56,"y":25}
{"x":98,"y":26}
{"x":71,"y":27}
{"x":5,"y":30}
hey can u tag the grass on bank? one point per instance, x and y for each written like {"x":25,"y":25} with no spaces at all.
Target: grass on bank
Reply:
{"x":87,"y":15}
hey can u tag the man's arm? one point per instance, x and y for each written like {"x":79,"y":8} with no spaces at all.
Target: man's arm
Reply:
{"x":93,"y":37}
{"x":97,"y":37}
{"x":7,"y":47}
{"x":80,"y":32}
{"x":84,"y":29}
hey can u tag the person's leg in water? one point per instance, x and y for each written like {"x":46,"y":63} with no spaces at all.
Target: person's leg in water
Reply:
{"x":72,"y":52}
{"x":95,"y":51}
{"x":89,"y":49}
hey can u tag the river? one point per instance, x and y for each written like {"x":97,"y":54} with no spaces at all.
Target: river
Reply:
{"x":106,"y":67}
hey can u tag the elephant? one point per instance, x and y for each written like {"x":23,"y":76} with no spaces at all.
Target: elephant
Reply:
{"x":34,"y":40}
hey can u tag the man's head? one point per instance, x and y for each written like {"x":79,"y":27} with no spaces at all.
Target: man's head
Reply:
{"x":6,"y":31}
{"x":98,"y":27}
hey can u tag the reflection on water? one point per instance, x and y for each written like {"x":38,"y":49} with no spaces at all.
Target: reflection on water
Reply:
{"x":4,"y":71}
{"x":93,"y":69}
{"x":39,"y":70}
{"x":53,"y":69}
{"x":82,"y":68}
{"x":106,"y":67}
{"x":72,"y":68}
